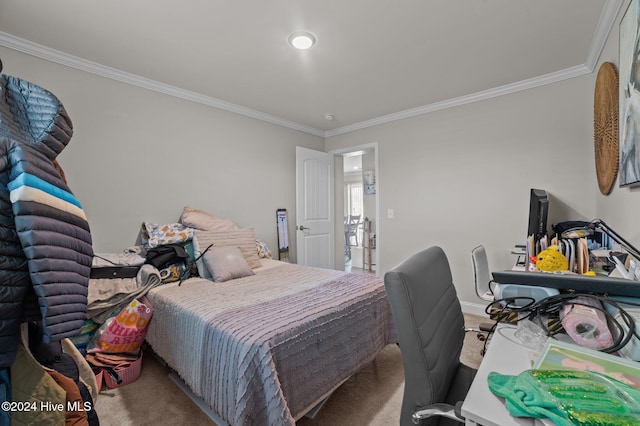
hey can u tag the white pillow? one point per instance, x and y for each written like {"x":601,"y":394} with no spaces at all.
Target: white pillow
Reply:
{"x":226,"y":263}
{"x":243,"y":238}
{"x":200,"y":219}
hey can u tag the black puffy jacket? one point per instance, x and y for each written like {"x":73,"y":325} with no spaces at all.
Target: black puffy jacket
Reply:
{"x":45,"y":240}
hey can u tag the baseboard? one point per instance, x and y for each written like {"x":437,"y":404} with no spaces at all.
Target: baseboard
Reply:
{"x":474,"y":308}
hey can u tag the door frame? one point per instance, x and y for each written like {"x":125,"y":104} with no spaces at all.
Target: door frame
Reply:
{"x":365,"y":147}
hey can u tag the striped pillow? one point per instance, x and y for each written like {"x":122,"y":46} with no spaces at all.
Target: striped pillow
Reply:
{"x":243,"y":238}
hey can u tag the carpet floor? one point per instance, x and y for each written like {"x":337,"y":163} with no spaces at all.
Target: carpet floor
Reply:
{"x":372,"y":396}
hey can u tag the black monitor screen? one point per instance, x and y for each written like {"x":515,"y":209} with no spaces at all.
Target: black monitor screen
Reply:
{"x":538,"y":212}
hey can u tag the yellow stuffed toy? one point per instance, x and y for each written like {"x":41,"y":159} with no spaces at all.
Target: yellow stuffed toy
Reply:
{"x":551,"y":260}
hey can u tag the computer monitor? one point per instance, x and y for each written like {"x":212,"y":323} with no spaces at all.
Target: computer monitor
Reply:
{"x":538,"y":212}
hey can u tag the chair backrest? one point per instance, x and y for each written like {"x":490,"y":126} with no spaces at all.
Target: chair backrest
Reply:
{"x":481,"y":275}
{"x":430,"y":327}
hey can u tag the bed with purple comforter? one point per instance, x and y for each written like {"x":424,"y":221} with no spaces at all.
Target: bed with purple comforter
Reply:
{"x":267,"y":348}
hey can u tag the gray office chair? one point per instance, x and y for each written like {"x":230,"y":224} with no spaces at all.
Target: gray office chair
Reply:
{"x":481,"y":273}
{"x":430,"y":327}
{"x":483,"y":281}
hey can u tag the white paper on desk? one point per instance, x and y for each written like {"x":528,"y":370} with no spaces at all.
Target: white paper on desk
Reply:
{"x":621,"y":268}
{"x":601,"y":252}
{"x":615,"y":274}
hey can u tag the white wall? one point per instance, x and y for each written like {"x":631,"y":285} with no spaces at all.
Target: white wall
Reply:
{"x":461,"y":177}
{"x":138,"y":155}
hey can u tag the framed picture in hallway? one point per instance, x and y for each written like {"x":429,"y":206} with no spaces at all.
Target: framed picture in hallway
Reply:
{"x":369,"y":178}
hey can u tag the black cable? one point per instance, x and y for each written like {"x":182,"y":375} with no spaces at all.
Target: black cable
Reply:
{"x":516,"y":309}
{"x":190,"y":264}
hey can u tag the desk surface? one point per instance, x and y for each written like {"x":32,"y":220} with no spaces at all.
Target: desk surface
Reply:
{"x":505,"y":355}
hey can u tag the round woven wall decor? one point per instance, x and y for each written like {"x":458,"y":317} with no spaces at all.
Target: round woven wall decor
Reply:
{"x":605,"y":127}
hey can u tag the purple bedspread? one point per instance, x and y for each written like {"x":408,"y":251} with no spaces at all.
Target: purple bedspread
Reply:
{"x":269,"y":362}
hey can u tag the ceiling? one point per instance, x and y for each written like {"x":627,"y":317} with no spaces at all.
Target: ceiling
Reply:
{"x":374,"y":61}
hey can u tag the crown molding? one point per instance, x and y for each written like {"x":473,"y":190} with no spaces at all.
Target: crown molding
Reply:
{"x":607,"y":18}
{"x":466,"y":99}
{"x":605,"y":24}
{"x":52,"y":55}
{"x":603,"y":29}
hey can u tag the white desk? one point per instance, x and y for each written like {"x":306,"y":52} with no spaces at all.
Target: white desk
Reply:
{"x":506,"y":356}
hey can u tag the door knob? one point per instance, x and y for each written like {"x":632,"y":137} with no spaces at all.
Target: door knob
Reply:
{"x":302,"y":228}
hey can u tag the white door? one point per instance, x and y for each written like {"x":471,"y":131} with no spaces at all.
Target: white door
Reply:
{"x":314,"y":208}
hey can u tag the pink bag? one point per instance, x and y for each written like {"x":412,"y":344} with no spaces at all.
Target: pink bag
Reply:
{"x":116,"y":369}
{"x":124,"y":332}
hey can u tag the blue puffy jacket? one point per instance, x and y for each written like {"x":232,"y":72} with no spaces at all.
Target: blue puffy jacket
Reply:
{"x":45,"y":240}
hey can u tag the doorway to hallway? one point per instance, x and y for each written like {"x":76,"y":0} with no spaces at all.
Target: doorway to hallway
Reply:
{"x":360,"y":201}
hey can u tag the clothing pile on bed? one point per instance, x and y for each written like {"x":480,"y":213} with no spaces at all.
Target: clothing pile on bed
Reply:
{"x":110,"y":338}
{"x":118,"y":278}
{"x":235,"y":253}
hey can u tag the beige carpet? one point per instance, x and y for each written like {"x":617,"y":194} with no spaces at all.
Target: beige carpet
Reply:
{"x":372,"y":396}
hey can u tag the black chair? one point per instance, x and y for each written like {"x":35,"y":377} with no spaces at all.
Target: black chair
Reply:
{"x":430,"y":327}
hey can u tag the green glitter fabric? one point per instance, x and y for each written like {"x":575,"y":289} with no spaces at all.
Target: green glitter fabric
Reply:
{"x":568,"y":397}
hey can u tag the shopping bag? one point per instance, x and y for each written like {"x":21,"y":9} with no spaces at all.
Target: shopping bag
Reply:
{"x":124,"y":332}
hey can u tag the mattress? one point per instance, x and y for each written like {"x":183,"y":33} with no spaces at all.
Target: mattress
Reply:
{"x":265,"y":349}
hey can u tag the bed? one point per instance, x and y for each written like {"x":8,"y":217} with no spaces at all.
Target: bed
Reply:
{"x":266,"y":348}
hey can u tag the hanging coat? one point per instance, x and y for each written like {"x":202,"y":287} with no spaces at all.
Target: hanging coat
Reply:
{"x":45,"y":240}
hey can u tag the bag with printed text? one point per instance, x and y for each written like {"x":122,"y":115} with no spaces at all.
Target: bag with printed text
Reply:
{"x":124,"y":332}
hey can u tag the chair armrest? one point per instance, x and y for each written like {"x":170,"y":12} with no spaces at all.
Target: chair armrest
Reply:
{"x":440,"y":409}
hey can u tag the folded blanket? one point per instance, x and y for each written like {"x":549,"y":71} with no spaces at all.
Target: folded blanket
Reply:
{"x":129,"y":257}
{"x":107,"y":294}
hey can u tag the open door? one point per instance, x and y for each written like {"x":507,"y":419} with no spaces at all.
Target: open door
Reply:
{"x":314,"y":208}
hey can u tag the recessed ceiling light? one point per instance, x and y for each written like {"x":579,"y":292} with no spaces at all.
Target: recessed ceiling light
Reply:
{"x":328,"y":117}
{"x":302,"y":40}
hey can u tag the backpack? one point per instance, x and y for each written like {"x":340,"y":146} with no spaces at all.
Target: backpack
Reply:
{"x":167,"y":255}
